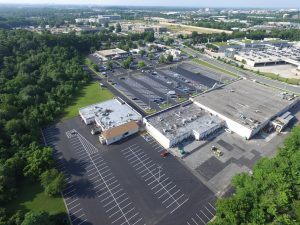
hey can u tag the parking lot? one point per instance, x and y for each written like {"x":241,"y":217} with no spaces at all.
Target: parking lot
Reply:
{"x":150,"y":89}
{"x":124,"y":183}
{"x":239,"y":155}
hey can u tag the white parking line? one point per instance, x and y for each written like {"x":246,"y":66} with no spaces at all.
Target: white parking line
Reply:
{"x":212,"y":206}
{"x":209,"y":211}
{"x":200,"y":218}
{"x":82,"y":222}
{"x":205,"y":215}
{"x":74,"y":206}
{"x":113,"y":194}
{"x":149,"y":173}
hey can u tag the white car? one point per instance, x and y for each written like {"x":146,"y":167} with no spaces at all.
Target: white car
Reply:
{"x":228,"y":131}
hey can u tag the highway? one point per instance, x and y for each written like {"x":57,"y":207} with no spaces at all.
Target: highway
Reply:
{"x":243,"y":73}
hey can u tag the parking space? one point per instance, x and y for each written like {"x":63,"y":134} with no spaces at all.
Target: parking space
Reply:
{"x":116,"y":203}
{"x":185,"y":83}
{"x":158,"y":87}
{"x":207,"y":72}
{"x":203,"y":216}
{"x":76,"y":212}
{"x":155,"y":145}
{"x":156,"y":179}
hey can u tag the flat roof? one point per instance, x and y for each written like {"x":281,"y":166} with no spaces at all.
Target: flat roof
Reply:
{"x":183,"y":119}
{"x":110,"y":52}
{"x":246,"y":102}
{"x":111,"y":113}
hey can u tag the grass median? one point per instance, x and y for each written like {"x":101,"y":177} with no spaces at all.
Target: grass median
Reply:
{"x":203,"y":63}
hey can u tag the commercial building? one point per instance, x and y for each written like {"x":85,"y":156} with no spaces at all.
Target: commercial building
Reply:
{"x":115,"y":118}
{"x":172,"y":126}
{"x":174,"y":52}
{"x":98,"y":19}
{"x":270,"y":56}
{"x":115,"y":53}
{"x":246,"y":106}
{"x":245,"y":44}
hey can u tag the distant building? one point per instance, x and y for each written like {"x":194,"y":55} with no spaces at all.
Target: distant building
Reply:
{"x":101,"y":19}
{"x":174,"y":52}
{"x":115,"y":53}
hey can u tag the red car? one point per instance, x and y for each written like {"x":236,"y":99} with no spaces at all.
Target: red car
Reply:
{"x":164,"y":153}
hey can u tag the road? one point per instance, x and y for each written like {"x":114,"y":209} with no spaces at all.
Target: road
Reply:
{"x":243,"y":73}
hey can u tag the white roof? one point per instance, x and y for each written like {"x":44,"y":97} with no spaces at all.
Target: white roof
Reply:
{"x":111,"y":113}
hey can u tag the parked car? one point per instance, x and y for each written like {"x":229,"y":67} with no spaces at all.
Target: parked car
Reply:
{"x":216,"y":151}
{"x":96,"y":130}
{"x":164,"y":153}
{"x":228,"y":131}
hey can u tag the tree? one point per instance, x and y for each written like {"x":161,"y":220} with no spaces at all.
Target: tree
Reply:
{"x":118,"y":28}
{"x":39,"y":159}
{"x":52,"y":181}
{"x":142,"y":52}
{"x":108,"y":64}
{"x":111,"y":28}
{"x":170,"y":58}
{"x":106,"y":24}
{"x":17,"y":218}
{"x":169,"y":41}
{"x":149,"y":37}
{"x":127,"y":62}
{"x":151,"y":55}
{"x":141,"y":64}
{"x":37,"y":218}
{"x":162,"y":59}
{"x":194,"y":34}
{"x":3,"y":217}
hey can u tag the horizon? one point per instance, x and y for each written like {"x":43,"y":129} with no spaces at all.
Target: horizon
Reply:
{"x":288,"y":4}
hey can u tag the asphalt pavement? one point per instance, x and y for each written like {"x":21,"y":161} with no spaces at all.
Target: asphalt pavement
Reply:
{"x":127,"y":182}
{"x":244,"y":73}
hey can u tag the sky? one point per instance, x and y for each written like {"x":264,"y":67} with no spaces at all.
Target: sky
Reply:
{"x":184,"y":3}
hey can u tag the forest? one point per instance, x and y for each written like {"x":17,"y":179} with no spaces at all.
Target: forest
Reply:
{"x":39,"y":74}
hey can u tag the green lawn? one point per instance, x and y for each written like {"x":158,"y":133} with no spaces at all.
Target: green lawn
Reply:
{"x":220,"y":44}
{"x":31,"y":197}
{"x":89,"y":95}
{"x":203,"y":63}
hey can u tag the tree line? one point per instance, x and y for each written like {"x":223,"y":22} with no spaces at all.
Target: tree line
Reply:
{"x":286,"y":34}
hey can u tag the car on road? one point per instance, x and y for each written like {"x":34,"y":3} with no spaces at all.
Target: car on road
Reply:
{"x":164,"y":153}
